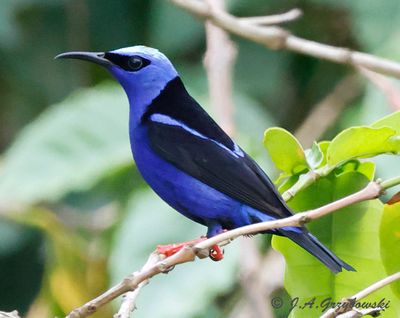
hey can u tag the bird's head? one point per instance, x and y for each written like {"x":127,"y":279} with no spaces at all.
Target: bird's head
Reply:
{"x":142,"y":71}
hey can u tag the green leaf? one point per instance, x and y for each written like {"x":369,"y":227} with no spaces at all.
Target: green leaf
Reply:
{"x":390,"y":242}
{"x":314,"y":156}
{"x":392,"y":121}
{"x":69,"y":147}
{"x":323,"y":146}
{"x":350,"y":233}
{"x":285,"y":150}
{"x":362,"y":142}
{"x":195,"y":284}
{"x":366,"y":168}
{"x":386,"y":166}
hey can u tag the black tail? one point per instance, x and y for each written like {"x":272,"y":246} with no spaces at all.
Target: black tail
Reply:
{"x":311,"y":244}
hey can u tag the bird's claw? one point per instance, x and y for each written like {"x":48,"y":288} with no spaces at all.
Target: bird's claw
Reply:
{"x":216,"y":253}
{"x":166,"y":271}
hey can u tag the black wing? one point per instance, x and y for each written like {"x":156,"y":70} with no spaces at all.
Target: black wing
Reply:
{"x":198,"y":146}
{"x":217,"y":166}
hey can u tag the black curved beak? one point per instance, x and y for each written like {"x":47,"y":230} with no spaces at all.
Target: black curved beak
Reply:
{"x":95,"y":57}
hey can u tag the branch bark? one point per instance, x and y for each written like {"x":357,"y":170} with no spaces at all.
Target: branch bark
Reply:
{"x":371,"y":191}
{"x":289,"y":16}
{"x":201,"y":250}
{"x":275,"y":38}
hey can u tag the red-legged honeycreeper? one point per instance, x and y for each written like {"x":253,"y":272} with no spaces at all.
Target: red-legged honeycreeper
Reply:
{"x":187,"y":159}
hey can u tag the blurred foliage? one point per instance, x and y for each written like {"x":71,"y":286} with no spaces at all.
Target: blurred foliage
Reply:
{"x":67,"y":147}
{"x":90,"y":219}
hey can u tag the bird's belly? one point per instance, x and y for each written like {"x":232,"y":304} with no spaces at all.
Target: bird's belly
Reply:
{"x":184,"y":193}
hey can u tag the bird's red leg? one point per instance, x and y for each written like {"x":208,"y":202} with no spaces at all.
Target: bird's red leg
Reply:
{"x":216,"y":254}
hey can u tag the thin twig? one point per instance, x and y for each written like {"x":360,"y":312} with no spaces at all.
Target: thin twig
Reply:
{"x":371,"y":191}
{"x":347,"y":310}
{"x":189,"y":252}
{"x":378,"y":285}
{"x":289,"y":16}
{"x":131,"y":282}
{"x":275,"y":37}
{"x":390,"y":183}
{"x":356,"y":313}
{"x":128,"y":304}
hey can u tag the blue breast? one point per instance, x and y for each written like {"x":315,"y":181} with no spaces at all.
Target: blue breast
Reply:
{"x":184,"y":193}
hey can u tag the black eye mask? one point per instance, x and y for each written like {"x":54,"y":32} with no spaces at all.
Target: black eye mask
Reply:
{"x":128,"y":63}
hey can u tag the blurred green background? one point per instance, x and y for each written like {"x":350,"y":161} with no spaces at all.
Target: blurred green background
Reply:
{"x":65,"y":150}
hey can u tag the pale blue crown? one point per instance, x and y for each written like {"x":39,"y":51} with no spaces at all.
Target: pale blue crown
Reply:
{"x":146,"y":84}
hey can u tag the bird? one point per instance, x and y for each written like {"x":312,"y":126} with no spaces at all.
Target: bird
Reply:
{"x":187,"y":159}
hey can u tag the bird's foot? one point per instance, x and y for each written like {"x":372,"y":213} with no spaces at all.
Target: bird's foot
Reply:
{"x":171,"y":249}
{"x":216,"y":253}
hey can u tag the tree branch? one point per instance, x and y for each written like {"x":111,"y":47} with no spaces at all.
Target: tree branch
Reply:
{"x":347,"y":310}
{"x":219,"y":60}
{"x":132,"y":282}
{"x":201,"y":250}
{"x":289,"y":16}
{"x":275,"y":37}
{"x":390,"y":183}
{"x":378,"y":285}
{"x":129,"y":299}
{"x":371,"y":191}
{"x":356,"y":313}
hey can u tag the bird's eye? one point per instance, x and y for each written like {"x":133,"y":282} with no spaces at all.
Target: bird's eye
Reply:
{"x":135,"y":63}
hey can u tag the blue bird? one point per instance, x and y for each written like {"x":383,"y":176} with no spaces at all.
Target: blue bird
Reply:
{"x":187,"y":159}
